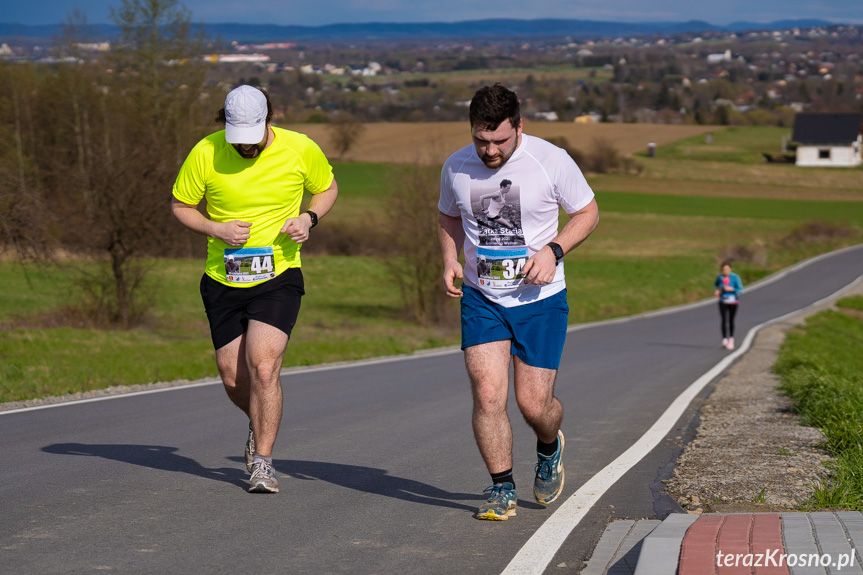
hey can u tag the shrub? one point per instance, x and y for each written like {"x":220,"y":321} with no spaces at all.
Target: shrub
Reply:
{"x":604,"y":158}
{"x":816,"y":231}
{"x":412,"y":228}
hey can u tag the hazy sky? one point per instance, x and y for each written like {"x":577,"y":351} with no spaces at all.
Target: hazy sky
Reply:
{"x":319,"y":12}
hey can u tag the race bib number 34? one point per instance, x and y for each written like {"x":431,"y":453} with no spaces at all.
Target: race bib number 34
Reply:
{"x":248,"y":265}
{"x":500,"y":268}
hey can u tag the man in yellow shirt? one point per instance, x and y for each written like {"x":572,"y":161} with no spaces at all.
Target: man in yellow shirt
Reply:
{"x":252,"y":176}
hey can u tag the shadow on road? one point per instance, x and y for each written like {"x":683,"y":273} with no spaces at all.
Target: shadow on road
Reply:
{"x":152,"y":456}
{"x":378,"y":482}
{"x":365,"y":479}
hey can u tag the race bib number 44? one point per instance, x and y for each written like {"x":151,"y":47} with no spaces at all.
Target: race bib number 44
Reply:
{"x":248,"y":265}
{"x":500,"y":268}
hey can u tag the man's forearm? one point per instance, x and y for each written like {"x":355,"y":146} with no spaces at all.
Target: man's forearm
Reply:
{"x":191,"y":218}
{"x":451,"y":235}
{"x":580,"y":225}
{"x":323,"y":202}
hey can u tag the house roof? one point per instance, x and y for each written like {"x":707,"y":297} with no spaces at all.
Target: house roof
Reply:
{"x":826,"y":128}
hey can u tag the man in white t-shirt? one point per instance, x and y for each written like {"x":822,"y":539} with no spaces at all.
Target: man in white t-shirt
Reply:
{"x":513,"y":306}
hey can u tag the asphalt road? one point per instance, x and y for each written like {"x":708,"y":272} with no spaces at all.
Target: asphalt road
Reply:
{"x":378,"y":469}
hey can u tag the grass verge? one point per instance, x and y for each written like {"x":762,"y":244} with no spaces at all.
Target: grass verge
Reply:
{"x":822,"y":372}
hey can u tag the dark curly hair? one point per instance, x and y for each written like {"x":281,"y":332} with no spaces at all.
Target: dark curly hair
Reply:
{"x":491,"y":105}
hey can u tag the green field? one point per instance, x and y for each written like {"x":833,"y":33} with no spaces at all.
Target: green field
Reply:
{"x":651,"y":250}
{"x":339,"y":320}
{"x":740,"y":145}
{"x":849,"y":213}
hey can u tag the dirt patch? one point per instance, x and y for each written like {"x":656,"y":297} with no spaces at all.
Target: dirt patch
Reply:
{"x":855,"y":313}
{"x":431,"y":143}
{"x":750,"y":452}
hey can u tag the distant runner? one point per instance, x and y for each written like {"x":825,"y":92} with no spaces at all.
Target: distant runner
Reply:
{"x":727,"y":288}
{"x":514,"y":308}
{"x":252,"y":176}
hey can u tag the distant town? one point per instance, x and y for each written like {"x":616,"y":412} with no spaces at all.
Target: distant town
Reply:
{"x":760,"y":77}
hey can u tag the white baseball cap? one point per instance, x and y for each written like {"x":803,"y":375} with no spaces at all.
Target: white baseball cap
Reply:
{"x":245,"y":115}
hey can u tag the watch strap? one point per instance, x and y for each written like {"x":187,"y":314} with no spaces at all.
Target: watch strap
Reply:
{"x":314,"y":217}
{"x":556,"y":250}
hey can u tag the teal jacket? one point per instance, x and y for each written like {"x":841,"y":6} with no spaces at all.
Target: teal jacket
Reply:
{"x":733,"y":280}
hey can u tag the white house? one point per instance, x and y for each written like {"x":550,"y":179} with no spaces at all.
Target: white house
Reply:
{"x":828,"y":140}
{"x":719,"y":58}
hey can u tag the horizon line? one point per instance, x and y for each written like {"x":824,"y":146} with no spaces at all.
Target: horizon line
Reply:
{"x":405,"y":22}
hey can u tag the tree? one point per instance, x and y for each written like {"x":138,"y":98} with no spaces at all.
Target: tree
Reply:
{"x":345,"y":130}
{"x":131,"y":119}
{"x":24,"y":221}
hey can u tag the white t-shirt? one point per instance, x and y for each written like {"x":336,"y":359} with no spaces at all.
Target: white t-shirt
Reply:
{"x":510,"y":213}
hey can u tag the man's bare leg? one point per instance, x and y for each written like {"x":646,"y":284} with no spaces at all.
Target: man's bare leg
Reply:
{"x":231,"y":361}
{"x":488,"y":369}
{"x":265,"y":347}
{"x":249,"y":367}
{"x":534,"y":392}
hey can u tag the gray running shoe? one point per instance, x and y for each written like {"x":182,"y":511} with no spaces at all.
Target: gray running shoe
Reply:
{"x":250,"y":449}
{"x":549,"y":474}
{"x":263,"y":478}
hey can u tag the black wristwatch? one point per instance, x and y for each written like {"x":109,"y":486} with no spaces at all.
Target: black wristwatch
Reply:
{"x":557,"y":251}
{"x":314,"y":217}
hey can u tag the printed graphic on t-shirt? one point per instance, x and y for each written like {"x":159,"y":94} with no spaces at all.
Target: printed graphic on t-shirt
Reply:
{"x":498,"y":214}
{"x":502,"y":250}
{"x":248,"y":265}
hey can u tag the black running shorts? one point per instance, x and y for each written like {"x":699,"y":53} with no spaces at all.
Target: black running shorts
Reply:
{"x":275,"y":302}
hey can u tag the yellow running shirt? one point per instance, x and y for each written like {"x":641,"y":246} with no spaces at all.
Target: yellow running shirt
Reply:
{"x":264,"y":191}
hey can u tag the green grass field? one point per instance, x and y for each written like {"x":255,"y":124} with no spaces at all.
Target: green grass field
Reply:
{"x":821,"y":369}
{"x":734,"y":165}
{"x":649,"y":251}
{"x":351,"y":311}
{"x":740,"y":145}
{"x":848,"y":213}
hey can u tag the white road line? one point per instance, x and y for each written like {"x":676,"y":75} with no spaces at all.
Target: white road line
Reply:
{"x":107,"y":397}
{"x":284,"y":373}
{"x":540,"y":549}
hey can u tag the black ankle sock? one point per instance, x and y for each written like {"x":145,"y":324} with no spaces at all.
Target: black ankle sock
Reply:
{"x":503,"y":477}
{"x":547,"y":449}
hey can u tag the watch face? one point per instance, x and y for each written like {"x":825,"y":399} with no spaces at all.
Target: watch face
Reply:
{"x":558,"y":252}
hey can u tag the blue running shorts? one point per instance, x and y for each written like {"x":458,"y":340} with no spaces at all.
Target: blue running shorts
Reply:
{"x":537,"y":330}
